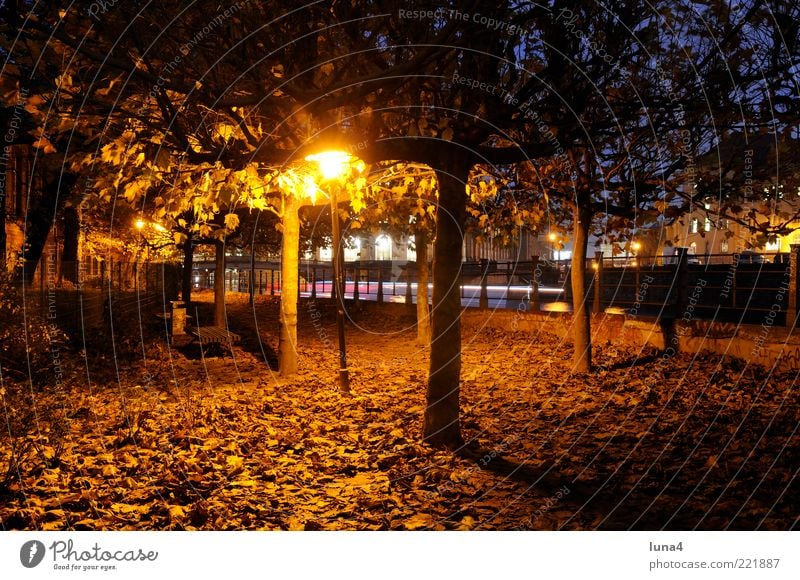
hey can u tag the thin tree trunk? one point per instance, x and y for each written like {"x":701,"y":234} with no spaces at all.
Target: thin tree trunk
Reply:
{"x":287,"y":344}
{"x":186,"y":275}
{"x":69,"y":251}
{"x":5,"y":157}
{"x":219,"y":284}
{"x":581,"y":323}
{"x":423,"y":311}
{"x":441,"y":423}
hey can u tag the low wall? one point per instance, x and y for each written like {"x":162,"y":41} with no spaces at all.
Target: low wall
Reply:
{"x":765,"y":345}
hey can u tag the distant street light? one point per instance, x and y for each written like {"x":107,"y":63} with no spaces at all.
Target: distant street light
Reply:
{"x":332,"y":166}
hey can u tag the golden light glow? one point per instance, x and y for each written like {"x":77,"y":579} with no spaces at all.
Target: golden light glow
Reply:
{"x":553,"y":237}
{"x":636,"y":246}
{"x":139,"y":224}
{"x":159,"y":227}
{"x":332,"y":164}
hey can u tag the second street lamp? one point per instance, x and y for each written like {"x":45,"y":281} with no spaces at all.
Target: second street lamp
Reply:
{"x":332,"y":165}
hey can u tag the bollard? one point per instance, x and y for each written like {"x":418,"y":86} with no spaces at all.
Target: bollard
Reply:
{"x":178,"y":318}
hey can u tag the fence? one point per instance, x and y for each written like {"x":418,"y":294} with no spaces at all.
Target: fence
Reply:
{"x":746,"y":287}
{"x":78,"y":297}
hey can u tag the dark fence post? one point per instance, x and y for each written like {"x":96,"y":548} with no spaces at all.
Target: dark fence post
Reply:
{"x":535,"y":282}
{"x":380,"y":285}
{"x":356,"y":276}
{"x":681,"y":281}
{"x":409,"y":301}
{"x":272,"y":282}
{"x":483,"y":303}
{"x":794,"y":298}
{"x":313,"y":282}
{"x":597,"y":306}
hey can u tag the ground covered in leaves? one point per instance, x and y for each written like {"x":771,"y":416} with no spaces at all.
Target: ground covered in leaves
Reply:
{"x":148,"y":437}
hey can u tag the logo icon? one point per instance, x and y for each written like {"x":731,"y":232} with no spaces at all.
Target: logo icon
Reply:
{"x":32,"y":553}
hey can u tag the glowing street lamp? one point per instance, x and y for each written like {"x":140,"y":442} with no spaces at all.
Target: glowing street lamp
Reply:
{"x":555,"y":249}
{"x":333,"y":166}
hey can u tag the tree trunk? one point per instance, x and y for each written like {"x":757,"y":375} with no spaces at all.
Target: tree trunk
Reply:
{"x":186,"y":274}
{"x":40,"y":221}
{"x":581,"y":322}
{"x":69,"y":251}
{"x":441,"y":425}
{"x":219,"y":284}
{"x":423,"y":311}
{"x":287,"y":344}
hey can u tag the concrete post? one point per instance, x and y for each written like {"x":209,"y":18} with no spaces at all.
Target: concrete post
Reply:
{"x":681,"y":282}
{"x":178,"y":321}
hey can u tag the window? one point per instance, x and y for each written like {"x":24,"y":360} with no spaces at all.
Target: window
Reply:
{"x":326,"y":254}
{"x":383,"y":248}
{"x":707,"y":224}
{"x":694,"y":227}
{"x":774,"y":246}
{"x":723,"y":247}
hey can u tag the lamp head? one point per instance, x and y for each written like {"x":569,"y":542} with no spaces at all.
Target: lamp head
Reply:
{"x":332,"y":164}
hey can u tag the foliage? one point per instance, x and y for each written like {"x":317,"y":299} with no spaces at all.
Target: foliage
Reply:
{"x":226,"y":446}
{"x":28,"y":338}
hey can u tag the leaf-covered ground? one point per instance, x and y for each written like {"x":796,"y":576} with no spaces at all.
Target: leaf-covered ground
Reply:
{"x":165,"y":439}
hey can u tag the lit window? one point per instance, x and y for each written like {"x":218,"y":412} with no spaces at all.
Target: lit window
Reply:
{"x":695,"y":226}
{"x":774,"y":246}
{"x":724,"y":246}
{"x":326,"y":254}
{"x":383,"y":248}
{"x":707,"y":225}
{"x":411,"y":252}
